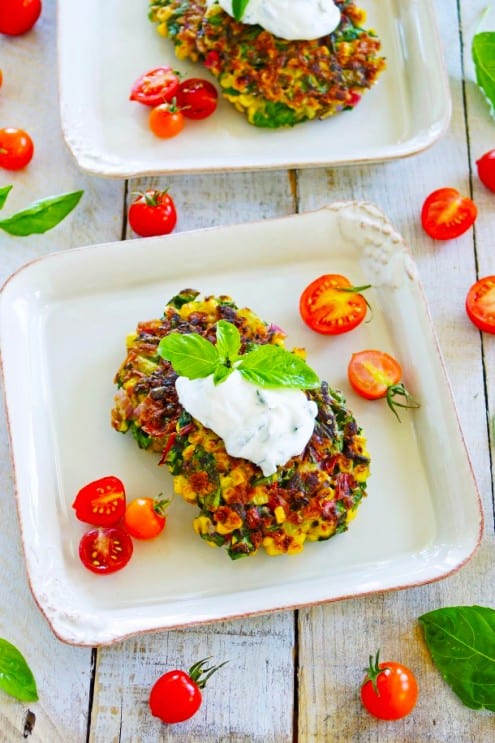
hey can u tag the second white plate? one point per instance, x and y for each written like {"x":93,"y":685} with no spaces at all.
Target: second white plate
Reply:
{"x":105,"y":46}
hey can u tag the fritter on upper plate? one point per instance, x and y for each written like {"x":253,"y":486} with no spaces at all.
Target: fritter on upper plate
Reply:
{"x":313,"y":496}
{"x":275,"y":82}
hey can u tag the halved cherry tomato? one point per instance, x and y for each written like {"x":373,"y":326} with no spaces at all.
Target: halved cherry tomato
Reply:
{"x":16,"y":148}
{"x":480,"y":304}
{"x":197,"y":98}
{"x":101,"y":502}
{"x":145,"y":518}
{"x":390,"y":690}
{"x":18,"y":16}
{"x":166,"y":120}
{"x":156,"y":86}
{"x":331,"y":305}
{"x":375,"y":374}
{"x":152,"y":213}
{"x":447,"y":214}
{"x":176,"y":696}
{"x":105,"y":549}
{"x":486,"y":169}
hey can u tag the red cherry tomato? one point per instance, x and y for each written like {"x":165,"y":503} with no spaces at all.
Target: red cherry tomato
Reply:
{"x":390,"y":690}
{"x":145,"y":517}
{"x":166,"y":120}
{"x":197,"y":98}
{"x":152,"y":213}
{"x":105,"y":549}
{"x":486,"y":169}
{"x":176,"y":696}
{"x":18,"y":16}
{"x":101,"y":502}
{"x":480,"y":304}
{"x":331,"y":305}
{"x":156,"y":86}
{"x":446,"y":214}
{"x":16,"y":148}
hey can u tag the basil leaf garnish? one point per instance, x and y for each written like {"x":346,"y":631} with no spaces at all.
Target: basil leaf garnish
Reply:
{"x":190,"y":354}
{"x":483,"y":53}
{"x":41,"y":216}
{"x":228,"y":341}
{"x":461,"y":640}
{"x":16,"y":678}
{"x":238,"y":8}
{"x":4,"y":192}
{"x":273,"y":366}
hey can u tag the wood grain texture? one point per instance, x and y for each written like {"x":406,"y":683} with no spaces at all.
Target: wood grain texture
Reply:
{"x":292,"y":677}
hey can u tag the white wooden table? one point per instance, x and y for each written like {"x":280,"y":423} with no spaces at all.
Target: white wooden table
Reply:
{"x":293,"y":676}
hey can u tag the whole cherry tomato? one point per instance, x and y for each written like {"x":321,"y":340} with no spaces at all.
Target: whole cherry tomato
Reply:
{"x":16,"y":148}
{"x":480,"y":304}
{"x":486,"y":169}
{"x":176,"y":696}
{"x":156,"y":86}
{"x":105,"y":549}
{"x":390,"y":690}
{"x":18,"y":16}
{"x":197,"y":98}
{"x":101,"y":502}
{"x":446,"y":214}
{"x":166,"y":120}
{"x":331,"y":305}
{"x":145,"y":518}
{"x":152,"y":213}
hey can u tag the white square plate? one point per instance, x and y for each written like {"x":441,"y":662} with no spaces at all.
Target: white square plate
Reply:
{"x":63,"y":323}
{"x":105,"y":46}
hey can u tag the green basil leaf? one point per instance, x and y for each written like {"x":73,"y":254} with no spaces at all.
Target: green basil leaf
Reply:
{"x":190,"y":354}
{"x":16,"y":678}
{"x":4,"y":192}
{"x":41,"y":216}
{"x":483,"y":53}
{"x":238,"y":8}
{"x":228,"y":340}
{"x":221,"y":373}
{"x":461,"y":640}
{"x":273,"y":366}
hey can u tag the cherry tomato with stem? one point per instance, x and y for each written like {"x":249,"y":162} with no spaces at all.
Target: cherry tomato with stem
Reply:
{"x":197,"y":98}
{"x":18,"y":16}
{"x":105,"y":549}
{"x":166,"y":120}
{"x":16,"y":148}
{"x":375,"y":374}
{"x":101,"y":502}
{"x":156,"y":86}
{"x":145,"y":518}
{"x":447,"y":214}
{"x":480,"y":304}
{"x":176,"y":696}
{"x":390,"y":690}
{"x":152,"y":213}
{"x":332,"y":305}
{"x":486,"y":169}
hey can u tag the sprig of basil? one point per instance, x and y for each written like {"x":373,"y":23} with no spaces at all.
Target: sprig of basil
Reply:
{"x":461,"y":640}
{"x":41,"y":215}
{"x":16,"y":678}
{"x":238,"y":8}
{"x":195,"y":357}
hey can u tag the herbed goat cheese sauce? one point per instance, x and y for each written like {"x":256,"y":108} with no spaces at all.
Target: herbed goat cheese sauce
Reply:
{"x":289,"y":19}
{"x":265,"y":426}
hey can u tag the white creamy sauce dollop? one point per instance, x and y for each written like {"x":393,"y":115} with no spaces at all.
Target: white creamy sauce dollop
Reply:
{"x":289,"y":19}
{"x":265,"y":426}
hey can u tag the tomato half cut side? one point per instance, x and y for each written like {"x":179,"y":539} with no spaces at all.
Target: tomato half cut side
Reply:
{"x":101,"y":502}
{"x":372,"y":373}
{"x":330,"y":305}
{"x":480,"y":304}
{"x":159,"y":85}
{"x":447,"y":214}
{"x":105,"y":549}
